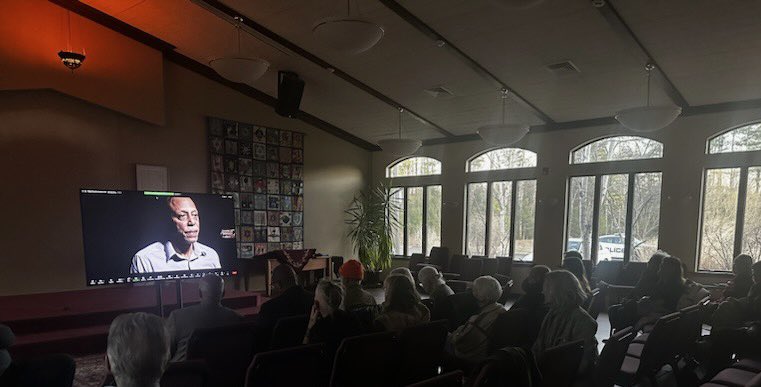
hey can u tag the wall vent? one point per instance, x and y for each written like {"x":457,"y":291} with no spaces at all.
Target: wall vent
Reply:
{"x":562,"y":69}
{"x":439,"y":92}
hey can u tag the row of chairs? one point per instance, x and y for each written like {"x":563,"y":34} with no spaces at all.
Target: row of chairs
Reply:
{"x":230,"y":359}
{"x":743,"y":373}
{"x":462,"y":267}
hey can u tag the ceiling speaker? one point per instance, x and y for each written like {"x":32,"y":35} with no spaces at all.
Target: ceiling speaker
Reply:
{"x":290,"y":88}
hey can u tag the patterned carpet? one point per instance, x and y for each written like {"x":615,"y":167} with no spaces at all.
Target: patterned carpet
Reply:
{"x":91,"y":370}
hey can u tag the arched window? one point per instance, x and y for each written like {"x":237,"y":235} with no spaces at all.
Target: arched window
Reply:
{"x":731,"y":208}
{"x":617,"y":149}
{"x":414,"y":166}
{"x":417,"y":191}
{"x":743,"y":139}
{"x":613,"y":210}
{"x":501,"y":204}
{"x":503,"y":158}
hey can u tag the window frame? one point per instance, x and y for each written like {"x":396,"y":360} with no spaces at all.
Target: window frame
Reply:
{"x":717,"y":135}
{"x":394,"y":163}
{"x":404,"y":220}
{"x":477,"y":155}
{"x":629,"y":167}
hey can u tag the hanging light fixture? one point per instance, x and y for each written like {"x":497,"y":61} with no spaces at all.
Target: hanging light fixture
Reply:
{"x":648,"y":118}
{"x":503,"y":134}
{"x":400,"y":146}
{"x":348,"y":34}
{"x":239,"y":68}
{"x":71,"y":59}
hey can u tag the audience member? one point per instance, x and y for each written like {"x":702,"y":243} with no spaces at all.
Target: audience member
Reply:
{"x":289,"y":299}
{"x":566,"y":320}
{"x":573,"y":263}
{"x":433,"y":283}
{"x":402,"y":307}
{"x":740,"y":285}
{"x":352,"y":272}
{"x":470,"y":341}
{"x":328,"y":323}
{"x":406,"y":273}
{"x":209,"y":313}
{"x":735,"y":312}
{"x":55,"y":370}
{"x":647,"y":282}
{"x":138,"y":350}
{"x":533,"y":299}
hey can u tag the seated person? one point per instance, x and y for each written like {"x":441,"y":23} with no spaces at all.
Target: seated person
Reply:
{"x":646,"y":284}
{"x":533,"y":298}
{"x":566,"y":320}
{"x":433,"y":283}
{"x":352,"y":272}
{"x":740,"y":285}
{"x":328,"y":323}
{"x":573,"y":263}
{"x":735,"y":312}
{"x":402,"y":307}
{"x":48,"y":370}
{"x":470,"y":341}
{"x":289,"y":299}
{"x":209,"y":313}
{"x":138,"y":350}
{"x":404,"y":272}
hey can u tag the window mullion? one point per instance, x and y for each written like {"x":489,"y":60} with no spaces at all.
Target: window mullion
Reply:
{"x":629,"y":217}
{"x":406,"y":217}
{"x":425,"y":219}
{"x":513,"y":201}
{"x":742,"y":195}
{"x":487,"y":229}
{"x":595,"y":245}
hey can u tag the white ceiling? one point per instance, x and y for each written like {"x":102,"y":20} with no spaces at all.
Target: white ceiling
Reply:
{"x":710,"y":50}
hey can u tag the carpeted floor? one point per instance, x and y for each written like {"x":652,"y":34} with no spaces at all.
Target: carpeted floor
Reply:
{"x":91,"y":371}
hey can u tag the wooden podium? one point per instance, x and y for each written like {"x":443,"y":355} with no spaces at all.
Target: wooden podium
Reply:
{"x":314,"y":264}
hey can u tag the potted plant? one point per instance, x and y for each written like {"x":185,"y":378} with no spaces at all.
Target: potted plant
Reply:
{"x":372,"y":218}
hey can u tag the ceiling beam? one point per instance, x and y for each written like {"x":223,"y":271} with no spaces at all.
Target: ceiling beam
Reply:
{"x":218,"y":7}
{"x":173,"y":56}
{"x":432,"y":34}
{"x":626,"y":34}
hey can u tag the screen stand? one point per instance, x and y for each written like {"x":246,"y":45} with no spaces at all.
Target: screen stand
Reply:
{"x":180,"y":302}
{"x":160,"y":297}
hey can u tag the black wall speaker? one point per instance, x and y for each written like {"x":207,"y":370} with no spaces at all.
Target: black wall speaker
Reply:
{"x":289,"y":91}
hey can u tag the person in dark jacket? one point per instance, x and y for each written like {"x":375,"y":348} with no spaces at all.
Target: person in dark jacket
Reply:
{"x":740,"y":285}
{"x":533,"y":298}
{"x":289,"y":299}
{"x":647,"y":281}
{"x":575,"y":265}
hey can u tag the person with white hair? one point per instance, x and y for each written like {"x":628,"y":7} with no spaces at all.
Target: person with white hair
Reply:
{"x":208,"y":314}
{"x":138,"y":350}
{"x":470,"y":341}
{"x":403,"y":271}
{"x":433,"y":283}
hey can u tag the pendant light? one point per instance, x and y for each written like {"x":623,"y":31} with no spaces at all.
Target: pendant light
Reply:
{"x":238,"y":68}
{"x":400,"y":146}
{"x":648,"y":118}
{"x":503,"y":134}
{"x":348,"y":34}
{"x":70,"y":58}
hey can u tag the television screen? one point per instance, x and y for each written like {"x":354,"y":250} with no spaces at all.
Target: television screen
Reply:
{"x":137,"y":236}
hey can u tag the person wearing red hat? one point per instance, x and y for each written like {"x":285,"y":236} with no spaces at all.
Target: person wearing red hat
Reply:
{"x":352,"y":272}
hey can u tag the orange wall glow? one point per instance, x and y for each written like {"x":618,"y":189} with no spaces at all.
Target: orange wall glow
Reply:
{"x":118,"y":73}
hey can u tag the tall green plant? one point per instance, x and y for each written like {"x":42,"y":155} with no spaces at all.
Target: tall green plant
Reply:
{"x":373,"y":218}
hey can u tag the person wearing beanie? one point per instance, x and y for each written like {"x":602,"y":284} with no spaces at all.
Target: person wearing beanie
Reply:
{"x":352,"y":272}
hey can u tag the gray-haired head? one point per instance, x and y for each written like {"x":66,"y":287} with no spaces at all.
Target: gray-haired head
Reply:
{"x":430,"y":278}
{"x":212,"y":288}
{"x":138,"y":349}
{"x":330,"y":295}
{"x":486,"y":290}
{"x":404,"y":272}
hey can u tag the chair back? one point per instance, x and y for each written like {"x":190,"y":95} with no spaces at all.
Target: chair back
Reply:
{"x":691,"y":328}
{"x":450,"y":379}
{"x":289,"y":332}
{"x":189,"y":373}
{"x":659,"y":348}
{"x":595,"y":302}
{"x":631,"y":273}
{"x":589,"y":268}
{"x":440,"y":257}
{"x":509,"y":366}
{"x":608,"y":271}
{"x":560,"y":364}
{"x":612,"y":356}
{"x":421,"y":350}
{"x":505,"y":266}
{"x":471,"y":269}
{"x":227,"y":351}
{"x":512,"y":329}
{"x":295,"y":366}
{"x":489,"y":266}
{"x":455,"y":264}
{"x":416,"y":259}
{"x":456,"y":309}
{"x":366,"y":360}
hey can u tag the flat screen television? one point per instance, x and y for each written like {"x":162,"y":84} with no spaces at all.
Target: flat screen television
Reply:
{"x":138,"y":236}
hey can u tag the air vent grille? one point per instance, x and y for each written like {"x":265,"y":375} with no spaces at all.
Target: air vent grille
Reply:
{"x":439,"y":92}
{"x":564,"y":68}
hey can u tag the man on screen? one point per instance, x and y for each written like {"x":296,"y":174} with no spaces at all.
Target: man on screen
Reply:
{"x":182,"y":251}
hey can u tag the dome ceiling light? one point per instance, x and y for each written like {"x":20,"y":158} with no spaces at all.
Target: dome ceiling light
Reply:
{"x":400,"y":146}
{"x":348,"y":34}
{"x":503,"y":134}
{"x":238,"y":68}
{"x":648,"y":118}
